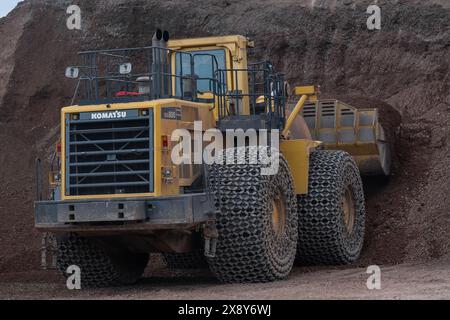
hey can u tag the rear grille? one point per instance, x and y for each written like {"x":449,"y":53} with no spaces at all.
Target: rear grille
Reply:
{"x":109,"y":152}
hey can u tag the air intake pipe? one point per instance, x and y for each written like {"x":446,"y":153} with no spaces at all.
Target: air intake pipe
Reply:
{"x":161,"y":71}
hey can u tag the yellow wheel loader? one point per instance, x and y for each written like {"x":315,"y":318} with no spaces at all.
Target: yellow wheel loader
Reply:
{"x":120,"y":191}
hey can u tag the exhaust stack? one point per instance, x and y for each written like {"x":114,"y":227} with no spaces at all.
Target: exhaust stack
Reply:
{"x":161,"y":71}
{"x":157,"y":37}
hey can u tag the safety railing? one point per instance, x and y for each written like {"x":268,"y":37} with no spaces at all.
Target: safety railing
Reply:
{"x":266,"y":95}
{"x":137,"y":74}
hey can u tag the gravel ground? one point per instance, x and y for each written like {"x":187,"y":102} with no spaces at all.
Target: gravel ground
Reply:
{"x":408,"y":281}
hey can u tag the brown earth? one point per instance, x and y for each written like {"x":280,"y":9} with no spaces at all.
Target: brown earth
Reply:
{"x":407,"y":281}
{"x":406,"y":65}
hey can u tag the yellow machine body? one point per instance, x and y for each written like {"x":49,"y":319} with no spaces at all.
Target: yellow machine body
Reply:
{"x":364,"y":127}
{"x":182,"y":175}
{"x":297,"y":154}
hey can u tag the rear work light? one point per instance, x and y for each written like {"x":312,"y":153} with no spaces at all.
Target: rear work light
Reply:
{"x":165,"y":142}
{"x":58,"y":148}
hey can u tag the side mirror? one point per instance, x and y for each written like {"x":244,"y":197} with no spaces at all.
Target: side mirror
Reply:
{"x":72,"y":72}
{"x":125,"y":68}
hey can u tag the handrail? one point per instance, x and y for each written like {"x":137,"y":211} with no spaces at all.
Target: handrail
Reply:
{"x":99,"y":81}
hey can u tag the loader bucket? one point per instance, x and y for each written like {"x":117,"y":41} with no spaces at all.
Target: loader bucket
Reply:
{"x":358,"y":131}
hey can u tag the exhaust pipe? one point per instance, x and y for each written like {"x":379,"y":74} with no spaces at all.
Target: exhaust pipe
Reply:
{"x":157,"y":37}
{"x":166,"y":37}
{"x":161,"y":66}
{"x":160,"y":38}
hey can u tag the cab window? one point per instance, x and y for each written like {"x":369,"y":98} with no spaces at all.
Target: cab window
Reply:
{"x":206,"y":63}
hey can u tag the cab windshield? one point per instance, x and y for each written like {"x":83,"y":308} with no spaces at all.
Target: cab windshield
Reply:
{"x":206,"y":64}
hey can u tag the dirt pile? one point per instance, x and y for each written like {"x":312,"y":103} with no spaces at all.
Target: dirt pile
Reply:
{"x":405,"y":64}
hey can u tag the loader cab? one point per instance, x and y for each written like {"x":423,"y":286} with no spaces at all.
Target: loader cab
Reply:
{"x":214,"y":59}
{"x":245,"y":95}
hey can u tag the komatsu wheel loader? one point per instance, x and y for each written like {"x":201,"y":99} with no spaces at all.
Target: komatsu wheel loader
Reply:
{"x":118,"y":195}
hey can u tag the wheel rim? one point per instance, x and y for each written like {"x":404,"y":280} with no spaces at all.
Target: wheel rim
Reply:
{"x":349,"y":210}
{"x":278,"y":214}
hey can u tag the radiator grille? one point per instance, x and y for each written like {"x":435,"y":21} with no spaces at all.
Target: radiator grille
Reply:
{"x":109,"y":152}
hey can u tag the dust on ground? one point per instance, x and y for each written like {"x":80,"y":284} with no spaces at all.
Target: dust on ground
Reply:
{"x":407,"y":281}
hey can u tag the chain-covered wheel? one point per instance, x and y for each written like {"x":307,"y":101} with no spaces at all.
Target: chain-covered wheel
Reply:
{"x":256,"y":219}
{"x":99,"y":267}
{"x":332,"y":214}
{"x":189,"y":260}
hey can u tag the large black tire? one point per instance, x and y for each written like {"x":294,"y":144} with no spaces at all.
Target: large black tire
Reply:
{"x":253,"y":246}
{"x":190,"y":260}
{"x":332,"y":215}
{"x":99,"y":267}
